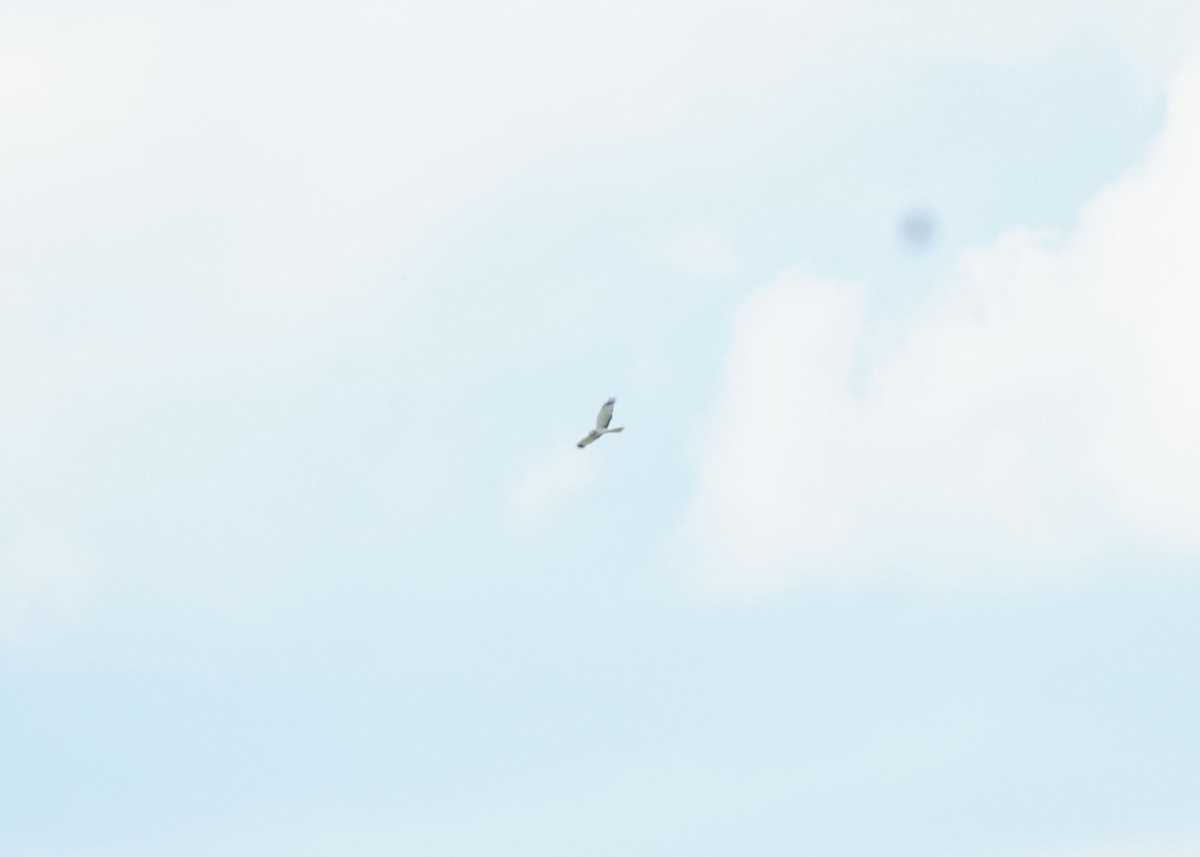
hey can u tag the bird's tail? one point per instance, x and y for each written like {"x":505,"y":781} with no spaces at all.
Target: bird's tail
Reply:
{"x":618,"y":428}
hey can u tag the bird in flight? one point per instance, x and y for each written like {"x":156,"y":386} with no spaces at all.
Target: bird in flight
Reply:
{"x":602,"y":420}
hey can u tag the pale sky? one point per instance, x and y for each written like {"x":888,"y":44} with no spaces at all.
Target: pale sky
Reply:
{"x":304,"y":305}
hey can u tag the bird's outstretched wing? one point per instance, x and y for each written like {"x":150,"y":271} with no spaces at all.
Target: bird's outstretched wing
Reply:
{"x":605,"y":416}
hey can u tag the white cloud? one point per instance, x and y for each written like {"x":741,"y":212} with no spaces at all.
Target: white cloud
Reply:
{"x":197,"y":196}
{"x":548,"y":482}
{"x":197,"y":193}
{"x":1044,"y":408}
{"x":701,"y":252}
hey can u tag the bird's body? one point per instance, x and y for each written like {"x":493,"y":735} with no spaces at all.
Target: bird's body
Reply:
{"x":602,"y":420}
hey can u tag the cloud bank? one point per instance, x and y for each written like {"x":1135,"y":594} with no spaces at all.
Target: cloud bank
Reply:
{"x":1042,"y":409}
{"x":205,"y":197}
